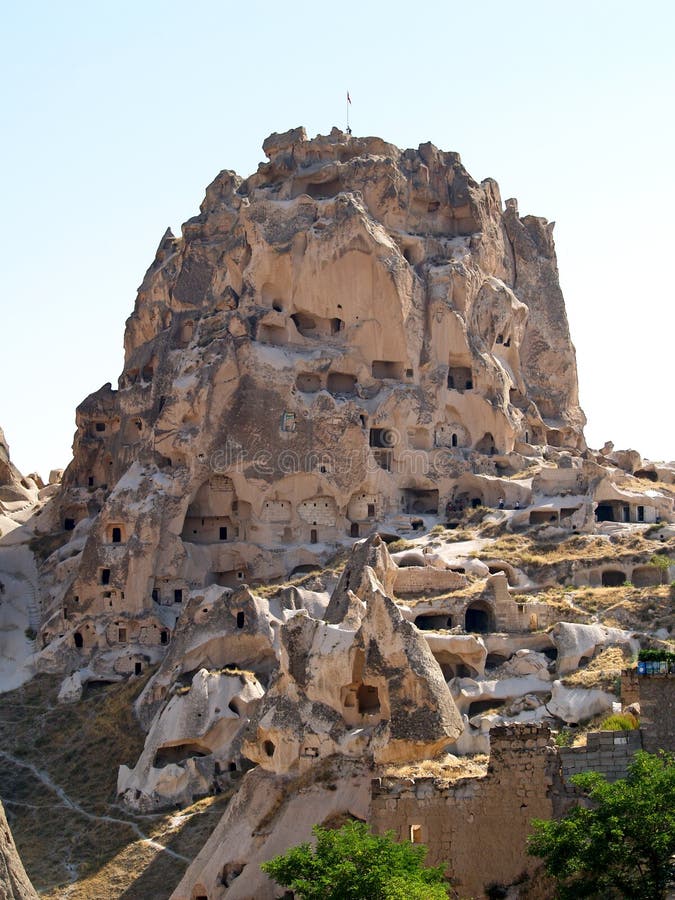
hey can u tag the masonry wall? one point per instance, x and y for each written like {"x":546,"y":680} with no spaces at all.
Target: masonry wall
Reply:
{"x":630,"y":688}
{"x":607,"y":752}
{"x":512,"y":616}
{"x":318,"y":511}
{"x":416,"y":579}
{"x":657,"y":712}
{"x":478,"y":826}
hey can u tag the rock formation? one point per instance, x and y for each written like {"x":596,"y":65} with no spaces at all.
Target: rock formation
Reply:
{"x":20,"y":613}
{"x":194,"y":739}
{"x":14,"y":883}
{"x":365,"y":687}
{"x":353,"y":335}
{"x":16,"y":492}
{"x":354,"y":344}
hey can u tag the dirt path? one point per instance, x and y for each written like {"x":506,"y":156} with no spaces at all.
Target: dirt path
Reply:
{"x":44,"y":777}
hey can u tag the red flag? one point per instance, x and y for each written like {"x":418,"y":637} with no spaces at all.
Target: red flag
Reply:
{"x":349,"y":99}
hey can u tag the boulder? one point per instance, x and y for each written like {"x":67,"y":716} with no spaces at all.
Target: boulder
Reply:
{"x":575,"y":705}
{"x":576,"y":642}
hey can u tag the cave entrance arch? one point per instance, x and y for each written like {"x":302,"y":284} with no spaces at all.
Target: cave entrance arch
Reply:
{"x":613,"y":578}
{"x":478,"y":618}
{"x":416,"y":500}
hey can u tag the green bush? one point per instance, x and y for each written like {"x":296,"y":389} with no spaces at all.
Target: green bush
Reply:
{"x":656,"y":656}
{"x":622,"y":845}
{"x":353,"y":864}
{"x":564,"y":738}
{"x":619,"y":722}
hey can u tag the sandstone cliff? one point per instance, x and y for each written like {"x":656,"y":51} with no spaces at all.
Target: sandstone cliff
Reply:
{"x":354,"y":344}
{"x":348,"y":336}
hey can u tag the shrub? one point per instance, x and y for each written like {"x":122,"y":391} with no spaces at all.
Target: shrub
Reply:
{"x":621,"y":846}
{"x":399,"y":545}
{"x":656,"y":656}
{"x":619,"y":722}
{"x":353,"y":864}
{"x":564,"y":738}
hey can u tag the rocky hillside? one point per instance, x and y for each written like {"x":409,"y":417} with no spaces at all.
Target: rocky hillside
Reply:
{"x":337,"y":520}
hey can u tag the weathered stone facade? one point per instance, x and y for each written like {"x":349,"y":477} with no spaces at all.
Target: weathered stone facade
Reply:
{"x":478,"y":826}
{"x":416,"y":579}
{"x":607,"y":752}
{"x":630,"y":687}
{"x":657,"y":712}
{"x":352,"y":335}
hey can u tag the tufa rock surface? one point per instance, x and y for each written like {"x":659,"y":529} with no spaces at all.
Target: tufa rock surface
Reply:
{"x":343,"y":342}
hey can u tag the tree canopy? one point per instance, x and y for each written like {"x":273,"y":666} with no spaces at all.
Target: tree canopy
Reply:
{"x":622,"y":846}
{"x":353,"y":864}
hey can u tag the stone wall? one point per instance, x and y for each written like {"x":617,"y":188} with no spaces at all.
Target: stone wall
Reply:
{"x":607,"y":752}
{"x":657,"y":712}
{"x":630,"y":687}
{"x":478,"y":826}
{"x":513,"y":617}
{"x":318,"y":511}
{"x":416,"y":579}
{"x":358,"y":509}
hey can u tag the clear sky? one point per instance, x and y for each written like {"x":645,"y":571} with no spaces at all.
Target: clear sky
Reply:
{"x":115,"y":117}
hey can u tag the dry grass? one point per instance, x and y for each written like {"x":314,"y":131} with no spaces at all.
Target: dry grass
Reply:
{"x":640,"y":485}
{"x":529,"y":472}
{"x":447,"y":768}
{"x":140,"y":871}
{"x":528,"y":550}
{"x":602,"y":671}
{"x":80,"y":747}
{"x":639,"y":609}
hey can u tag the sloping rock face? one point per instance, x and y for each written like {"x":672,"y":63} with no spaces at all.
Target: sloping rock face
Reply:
{"x":14,"y":883}
{"x":332,"y":343}
{"x":367,"y":687}
{"x":269,"y":814}
{"x":15,"y":490}
{"x":20,"y":615}
{"x":191,"y":742}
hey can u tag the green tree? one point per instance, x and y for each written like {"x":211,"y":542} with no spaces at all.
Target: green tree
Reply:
{"x":353,"y":864}
{"x":623,"y":845}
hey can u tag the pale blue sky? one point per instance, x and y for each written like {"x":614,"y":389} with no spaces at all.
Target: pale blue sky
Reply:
{"x":117,"y":116}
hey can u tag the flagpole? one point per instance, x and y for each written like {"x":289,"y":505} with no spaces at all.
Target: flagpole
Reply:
{"x":348,"y":130}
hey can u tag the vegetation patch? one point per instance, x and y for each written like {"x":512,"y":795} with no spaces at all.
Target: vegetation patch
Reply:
{"x":602,"y":671}
{"x":80,"y":843}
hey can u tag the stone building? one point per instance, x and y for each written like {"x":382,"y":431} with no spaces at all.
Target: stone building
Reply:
{"x":478,"y":826}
